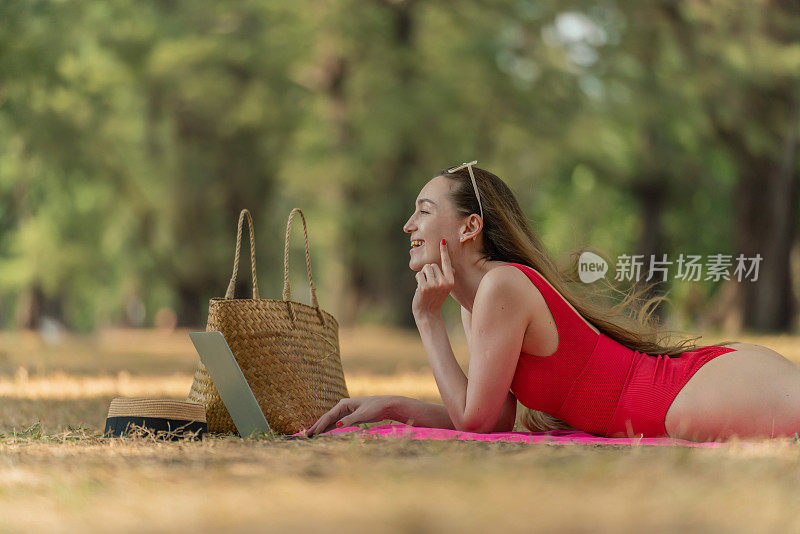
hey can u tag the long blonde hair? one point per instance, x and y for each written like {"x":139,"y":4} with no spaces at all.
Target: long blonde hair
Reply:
{"x":508,"y":237}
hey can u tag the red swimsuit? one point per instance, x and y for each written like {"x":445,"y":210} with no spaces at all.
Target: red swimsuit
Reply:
{"x":596,"y":384}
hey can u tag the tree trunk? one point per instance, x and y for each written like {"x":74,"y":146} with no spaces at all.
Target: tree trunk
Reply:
{"x":395,"y":280}
{"x":343,"y":273}
{"x":767,"y":204}
{"x":33,"y":305}
{"x":192,"y":311}
{"x":651,"y":197}
{"x":387,"y":281}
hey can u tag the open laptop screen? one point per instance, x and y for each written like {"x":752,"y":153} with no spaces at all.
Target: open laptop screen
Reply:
{"x":233,"y":388}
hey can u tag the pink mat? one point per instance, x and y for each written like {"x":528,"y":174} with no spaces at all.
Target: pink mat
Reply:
{"x":555,"y":436}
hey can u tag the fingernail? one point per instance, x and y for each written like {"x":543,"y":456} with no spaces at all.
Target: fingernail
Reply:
{"x":339,"y":424}
{"x":444,"y":242}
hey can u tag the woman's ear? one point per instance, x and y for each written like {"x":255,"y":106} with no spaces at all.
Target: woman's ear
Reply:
{"x":471,"y":228}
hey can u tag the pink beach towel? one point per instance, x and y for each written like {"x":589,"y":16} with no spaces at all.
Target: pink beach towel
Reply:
{"x":555,"y":436}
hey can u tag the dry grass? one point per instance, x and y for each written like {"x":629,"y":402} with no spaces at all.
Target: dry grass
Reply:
{"x":58,"y":474}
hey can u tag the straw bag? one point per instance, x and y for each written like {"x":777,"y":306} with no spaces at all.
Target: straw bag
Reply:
{"x":288,"y":351}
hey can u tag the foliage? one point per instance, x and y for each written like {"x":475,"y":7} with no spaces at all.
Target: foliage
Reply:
{"x":134,"y":132}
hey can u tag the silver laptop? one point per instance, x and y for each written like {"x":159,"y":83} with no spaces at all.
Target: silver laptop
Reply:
{"x":233,"y":388}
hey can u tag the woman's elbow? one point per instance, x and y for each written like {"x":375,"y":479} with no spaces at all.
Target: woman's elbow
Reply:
{"x":479,"y":425}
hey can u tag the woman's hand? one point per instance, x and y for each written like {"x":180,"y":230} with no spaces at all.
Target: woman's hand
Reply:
{"x":350,"y":411}
{"x":433,"y":286}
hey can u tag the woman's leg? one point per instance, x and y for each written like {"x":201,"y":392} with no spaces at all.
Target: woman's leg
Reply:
{"x":750,"y":393}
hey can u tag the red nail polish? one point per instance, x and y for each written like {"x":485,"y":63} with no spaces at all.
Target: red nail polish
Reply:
{"x":444,"y":242}
{"x":339,"y":424}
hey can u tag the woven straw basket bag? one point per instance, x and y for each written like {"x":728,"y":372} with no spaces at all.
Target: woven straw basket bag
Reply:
{"x":288,"y":351}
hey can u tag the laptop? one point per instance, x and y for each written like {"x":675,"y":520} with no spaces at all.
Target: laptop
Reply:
{"x":233,"y":388}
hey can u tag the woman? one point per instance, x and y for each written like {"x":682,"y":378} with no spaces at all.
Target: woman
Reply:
{"x":572,"y":362}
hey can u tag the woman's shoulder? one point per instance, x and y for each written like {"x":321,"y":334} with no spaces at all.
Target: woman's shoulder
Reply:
{"x":509,"y":285}
{"x":505,"y":274}
{"x":508,"y":275}
{"x":540,"y":302}
{"x":510,"y":282}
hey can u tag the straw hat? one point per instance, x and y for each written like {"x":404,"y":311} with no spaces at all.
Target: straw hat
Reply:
{"x":164,"y":418}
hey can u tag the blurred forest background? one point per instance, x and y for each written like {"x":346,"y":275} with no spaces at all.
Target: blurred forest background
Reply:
{"x":133,"y":132}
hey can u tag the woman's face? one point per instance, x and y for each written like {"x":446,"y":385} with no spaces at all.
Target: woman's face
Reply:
{"x":432,"y":221}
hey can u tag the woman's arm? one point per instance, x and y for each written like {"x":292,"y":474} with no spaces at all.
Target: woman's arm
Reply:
{"x":499,"y":322}
{"x":508,"y":418}
{"x":419,"y":413}
{"x":429,"y":415}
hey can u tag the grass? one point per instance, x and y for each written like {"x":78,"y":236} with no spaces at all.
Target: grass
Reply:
{"x":57,"y":472}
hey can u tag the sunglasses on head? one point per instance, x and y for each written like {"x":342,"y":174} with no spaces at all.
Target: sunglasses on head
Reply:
{"x":472,"y":176}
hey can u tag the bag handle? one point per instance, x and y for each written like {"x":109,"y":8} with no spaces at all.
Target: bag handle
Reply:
{"x":286,"y":289}
{"x":232,"y":284}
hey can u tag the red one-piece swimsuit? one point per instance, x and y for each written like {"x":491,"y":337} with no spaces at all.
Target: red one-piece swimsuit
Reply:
{"x":596,"y":384}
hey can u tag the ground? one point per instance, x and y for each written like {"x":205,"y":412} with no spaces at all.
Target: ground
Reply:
{"x":58,"y":474}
